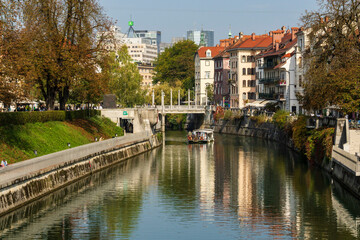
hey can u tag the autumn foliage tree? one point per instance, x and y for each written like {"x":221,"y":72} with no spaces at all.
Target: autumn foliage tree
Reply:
{"x":62,"y":43}
{"x":333,"y":59}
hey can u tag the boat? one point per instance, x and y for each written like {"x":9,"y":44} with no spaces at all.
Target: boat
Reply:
{"x":200,"y":136}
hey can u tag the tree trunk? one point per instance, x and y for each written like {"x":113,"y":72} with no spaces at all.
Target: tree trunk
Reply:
{"x":63,"y":97}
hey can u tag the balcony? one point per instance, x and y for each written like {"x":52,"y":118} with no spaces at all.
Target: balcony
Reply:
{"x":267,"y":81}
{"x":272,"y":96}
{"x":266,"y":65}
{"x":267,"y":96}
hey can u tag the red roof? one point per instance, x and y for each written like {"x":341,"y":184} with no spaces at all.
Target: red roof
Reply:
{"x":214,"y":51}
{"x":285,"y":45}
{"x":262,"y":41}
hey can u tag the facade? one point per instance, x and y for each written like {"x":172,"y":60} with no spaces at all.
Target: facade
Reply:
{"x":204,"y":71}
{"x":221,"y":79}
{"x":276,"y":70}
{"x":153,"y":36}
{"x":242,"y":68}
{"x":147,"y":73}
{"x":195,"y":36}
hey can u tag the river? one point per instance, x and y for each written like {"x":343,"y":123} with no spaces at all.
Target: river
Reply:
{"x":234,"y":188}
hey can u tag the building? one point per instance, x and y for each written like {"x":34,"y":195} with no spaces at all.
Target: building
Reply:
{"x":222,"y":73}
{"x":204,"y":71}
{"x":242,"y":68}
{"x":147,"y":73}
{"x":276,"y":70}
{"x":195,"y":36}
{"x":177,"y":39}
{"x":153,"y":36}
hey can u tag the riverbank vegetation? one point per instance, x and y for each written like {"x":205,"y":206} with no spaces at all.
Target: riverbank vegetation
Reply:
{"x":19,"y":142}
{"x":315,"y":144}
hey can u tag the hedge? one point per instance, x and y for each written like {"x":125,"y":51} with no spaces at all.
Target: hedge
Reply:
{"x":20,"y":118}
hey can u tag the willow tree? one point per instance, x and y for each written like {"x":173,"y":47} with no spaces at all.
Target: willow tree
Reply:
{"x":332,"y":61}
{"x":63,"y":40}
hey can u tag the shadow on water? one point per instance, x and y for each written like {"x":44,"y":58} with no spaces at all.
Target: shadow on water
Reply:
{"x":55,"y":215}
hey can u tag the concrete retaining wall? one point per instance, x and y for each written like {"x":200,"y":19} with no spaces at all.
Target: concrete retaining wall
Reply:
{"x":24,"y":182}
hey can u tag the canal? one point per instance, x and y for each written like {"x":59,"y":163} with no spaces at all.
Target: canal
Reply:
{"x":234,"y":188}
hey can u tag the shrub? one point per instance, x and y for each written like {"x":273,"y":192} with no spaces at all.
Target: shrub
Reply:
{"x":21,"y":118}
{"x":227,"y":115}
{"x":319,"y":145}
{"x":299,"y":134}
{"x":280,"y":118}
{"x":258,"y":119}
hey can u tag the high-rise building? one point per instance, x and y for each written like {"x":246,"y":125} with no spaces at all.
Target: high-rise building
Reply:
{"x":195,"y":35}
{"x":154,"y":36}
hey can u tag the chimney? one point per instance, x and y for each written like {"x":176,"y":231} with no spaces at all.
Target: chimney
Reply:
{"x":283,"y":28}
{"x":277,"y":46}
{"x":270,"y":34}
{"x":241,"y":34}
{"x":294,"y":30}
{"x":253,"y":36}
{"x":277,"y":36}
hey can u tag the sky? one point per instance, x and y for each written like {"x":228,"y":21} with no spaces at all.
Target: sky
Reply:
{"x":175,"y":18}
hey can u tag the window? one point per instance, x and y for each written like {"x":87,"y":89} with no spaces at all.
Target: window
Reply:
{"x":243,"y":59}
{"x":249,"y":83}
{"x":207,"y":74}
{"x":208,"y":53}
{"x":244,"y":96}
{"x":207,"y":63}
{"x":248,"y":58}
{"x":244,"y":83}
{"x":300,"y":80}
{"x":253,"y":83}
{"x":249,"y":71}
{"x":244,"y":71}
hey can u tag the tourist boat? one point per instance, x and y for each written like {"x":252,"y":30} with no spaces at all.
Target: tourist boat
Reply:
{"x":200,"y":136}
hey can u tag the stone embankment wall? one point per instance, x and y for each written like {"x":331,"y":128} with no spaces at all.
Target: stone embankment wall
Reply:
{"x":345,"y":162}
{"x":246,"y":127}
{"x":344,"y":165}
{"x":27,"y":181}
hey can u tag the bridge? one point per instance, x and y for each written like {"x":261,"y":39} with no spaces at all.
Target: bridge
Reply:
{"x":144,"y":117}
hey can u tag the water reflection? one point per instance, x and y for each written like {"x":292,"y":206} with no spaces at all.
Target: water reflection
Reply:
{"x":235,"y":188}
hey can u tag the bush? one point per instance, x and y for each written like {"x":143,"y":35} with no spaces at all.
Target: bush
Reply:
{"x":227,"y":115}
{"x":280,"y":118}
{"x":319,"y":145}
{"x":300,"y":133}
{"x":21,"y":118}
{"x":82,"y":114}
{"x":258,"y":119}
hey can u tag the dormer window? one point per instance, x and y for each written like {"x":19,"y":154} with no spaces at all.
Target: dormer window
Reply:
{"x":208,"y":53}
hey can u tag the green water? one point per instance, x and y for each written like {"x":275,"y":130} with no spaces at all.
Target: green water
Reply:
{"x":234,"y":188}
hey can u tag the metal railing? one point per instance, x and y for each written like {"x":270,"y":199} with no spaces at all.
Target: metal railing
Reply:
{"x":274,"y":80}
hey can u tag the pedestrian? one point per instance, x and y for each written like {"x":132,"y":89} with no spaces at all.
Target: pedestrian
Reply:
{"x":4,"y":163}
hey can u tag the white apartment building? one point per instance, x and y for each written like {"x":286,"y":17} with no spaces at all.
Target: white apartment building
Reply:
{"x":204,"y":71}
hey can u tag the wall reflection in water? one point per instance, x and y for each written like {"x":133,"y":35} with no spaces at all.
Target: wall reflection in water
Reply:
{"x":234,"y":187}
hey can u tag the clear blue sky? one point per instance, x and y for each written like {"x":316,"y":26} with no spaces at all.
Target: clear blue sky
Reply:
{"x":174,"y":18}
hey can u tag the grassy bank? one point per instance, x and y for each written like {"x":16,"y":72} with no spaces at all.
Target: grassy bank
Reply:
{"x":18,"y":142}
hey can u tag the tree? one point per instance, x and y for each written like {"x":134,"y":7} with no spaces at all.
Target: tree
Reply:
{"x":177,"y":64}
{"x":61,"y":45}
{"x":332,"y":60}
{"x":125,"y":79}
{"x":12,"y":85}
{"x":210,"y":92}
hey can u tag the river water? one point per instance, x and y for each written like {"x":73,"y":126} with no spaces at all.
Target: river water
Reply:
{"x":234,"y":188}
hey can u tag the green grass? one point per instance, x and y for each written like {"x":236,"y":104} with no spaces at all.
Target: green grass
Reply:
{"x":18,"y":142}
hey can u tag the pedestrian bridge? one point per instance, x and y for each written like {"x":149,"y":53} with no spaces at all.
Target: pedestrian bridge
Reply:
{"x":179,"y":109}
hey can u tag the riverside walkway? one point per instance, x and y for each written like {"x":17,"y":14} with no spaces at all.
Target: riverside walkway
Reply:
{"x":21,"y":171}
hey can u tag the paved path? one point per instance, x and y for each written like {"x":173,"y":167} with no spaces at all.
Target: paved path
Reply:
{"x":28,"y":168}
